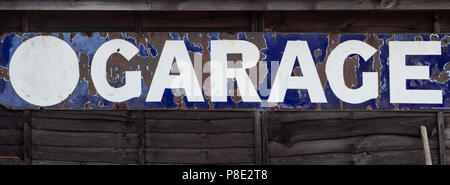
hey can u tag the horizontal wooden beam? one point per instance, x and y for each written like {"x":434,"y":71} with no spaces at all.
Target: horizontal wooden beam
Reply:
{"x":225,"y":5}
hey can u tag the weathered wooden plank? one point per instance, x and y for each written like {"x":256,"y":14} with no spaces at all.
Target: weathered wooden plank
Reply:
{"x":199,"y":140}
{"x":47,"y":162}
{"x":297,"y":5}
{"x":292,"y":116}
{"x":87,"y":115}
{"x":9,"y":113}
{"x":400,"y":157}
{"x":319,"y":159}
{"x":353,"y":145}
{"x":197,"y":115}
{"x":10,"y":161}
{"x":10,"y":21}
{"x":337,"y":128}
{"x":11,"y":137}
{"x":351,"y":21}
{"x":11,"y":150}
{"x":200,"y":156}
{"x":96,"y":125}
{"x":85,"y":154}
{"x":138,"y":22}
{"x":25,"y":22}
{"x":444,"y":22}
{"x":82,"y":22}
{"x":224,"y":5}
{"x":87,"y":139}
{"x":436,"y":24}
{"x":200,"y":126}
{"x":196,"y":21}
{"x":11,"y":122}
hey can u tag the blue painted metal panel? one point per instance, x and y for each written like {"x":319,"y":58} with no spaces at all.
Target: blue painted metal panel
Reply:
{"x":271,"y":46}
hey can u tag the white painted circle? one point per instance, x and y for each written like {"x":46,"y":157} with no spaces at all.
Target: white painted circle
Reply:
{"x":44,"y":70}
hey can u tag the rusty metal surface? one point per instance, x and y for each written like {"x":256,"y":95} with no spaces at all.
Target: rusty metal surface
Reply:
{"x":271,"y":46}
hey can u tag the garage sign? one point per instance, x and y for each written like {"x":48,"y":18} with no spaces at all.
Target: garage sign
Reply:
{"x":293,"y":71}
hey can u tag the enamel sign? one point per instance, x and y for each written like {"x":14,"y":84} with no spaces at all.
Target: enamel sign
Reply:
{"x":287,"y":71}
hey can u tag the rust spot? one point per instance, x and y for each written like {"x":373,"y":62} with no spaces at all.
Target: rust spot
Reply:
{"x":235,"y":96}
{"x":351,"y":64}
{"x":6,"y":106}
{"x":180,"y":102}
{"x":210,"y":103}
{"x":444,"y":41}
{"x":333,"y":41}
{"x":441,"y":77}
{"x":101,"y":103}
{"x":85,"y":73}
{"x":65,"y":104}
{"x":141,"y":38}
{"x":318,"y":53}
{"x":319,"y":106}
{"x":111,"y":35}
{"x":61,"y":35}
{"x":274,"y":108}
{"x":115,"y":35}
{"x":376,"y":42}
{"x":418,"y":38}
{"x":434,"y":37}
{"x":298,"y":71}
{"x":103,"y":34}
{"x":87,"y":34}
{"x":87,"y":106}
{"x":115,"y":69}
{"x":4,"y":74}
{"x":148,"y":64}
{"x":72,"y":35}
{"x":2,"y":36}
{"x":396,"y":106}
{"x":120,"y":106}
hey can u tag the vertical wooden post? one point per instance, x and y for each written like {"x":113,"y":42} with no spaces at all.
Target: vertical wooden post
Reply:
{"x":264,"y":138}
{"x":27,"y":159}
{"x":442,"y":137}
{"x":256,"y":22}
{"x":258,"y":142}
{"x":25,"y":25}
{"x":141,"y":133}
{"x":436,"y":25}
{"x":138,"y":21}
{"x":426,"y":146}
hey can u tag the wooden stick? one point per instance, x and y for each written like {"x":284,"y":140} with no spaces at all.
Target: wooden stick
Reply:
{"x":426,"y":146}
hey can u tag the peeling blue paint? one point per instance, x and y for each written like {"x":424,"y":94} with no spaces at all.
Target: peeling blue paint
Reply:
{"x":274,"y":45}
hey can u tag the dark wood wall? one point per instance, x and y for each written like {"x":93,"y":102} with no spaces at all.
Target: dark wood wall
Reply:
{"x":222,"y":137}
{"x":219,"y":137}
{"x":227,"y":21}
